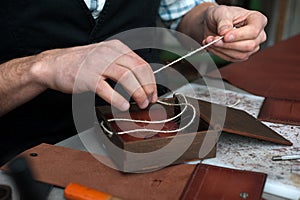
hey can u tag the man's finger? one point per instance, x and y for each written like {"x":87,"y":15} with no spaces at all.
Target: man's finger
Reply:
{"x":224,"y":26}
{"x":250,"y":31}
{"x":112,"y":97}
{"x":142,"y":72}
{"x":126,"y":78}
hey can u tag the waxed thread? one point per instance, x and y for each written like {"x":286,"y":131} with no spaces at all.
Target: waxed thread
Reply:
{"x":186,"y":104}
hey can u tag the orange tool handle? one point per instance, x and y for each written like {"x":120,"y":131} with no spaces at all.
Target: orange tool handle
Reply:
{"x":76,"y":191}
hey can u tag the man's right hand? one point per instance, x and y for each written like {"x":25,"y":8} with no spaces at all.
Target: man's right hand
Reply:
{"x":86,"y":68}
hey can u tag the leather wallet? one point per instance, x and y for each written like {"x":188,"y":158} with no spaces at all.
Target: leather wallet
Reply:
{"x":212,"y":182}
{"x":272,"y":73}
{"x":60,"y":166}
{"x":280,"y":111}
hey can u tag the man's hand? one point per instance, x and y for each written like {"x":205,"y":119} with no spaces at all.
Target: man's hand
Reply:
{"x":86,"y":68}
{"x":240,"y":43}
{"x":207,"y":22}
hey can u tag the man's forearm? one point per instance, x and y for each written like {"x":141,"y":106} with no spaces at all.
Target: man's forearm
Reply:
{"x":192,"y":23}
{"x":17,"y":83}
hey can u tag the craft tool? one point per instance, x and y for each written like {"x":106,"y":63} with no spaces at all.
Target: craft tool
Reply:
{"x":286,"y":157}
{"x":76,"y":191}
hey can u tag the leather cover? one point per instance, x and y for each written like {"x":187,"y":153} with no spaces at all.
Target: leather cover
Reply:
{"x":60,"y":166}
{"x":274,"y":74}
{"x":241,"y":123}
{"x":212,"y":182}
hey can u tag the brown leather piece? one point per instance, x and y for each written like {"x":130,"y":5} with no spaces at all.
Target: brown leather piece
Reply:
{"x":241,"y":123}
{"x":212,"y":182}
{"x":280,"y":110}
{"x":272,"y":73}
{"x":60,"y":166}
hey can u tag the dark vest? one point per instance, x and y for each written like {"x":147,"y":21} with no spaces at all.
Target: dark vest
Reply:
{"x":29,"y":27}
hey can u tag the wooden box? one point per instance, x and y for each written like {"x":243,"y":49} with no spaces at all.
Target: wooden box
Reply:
{"x":145,"y":150}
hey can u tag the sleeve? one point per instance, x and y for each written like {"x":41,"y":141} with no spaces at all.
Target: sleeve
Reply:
{"x":172,"y":11}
